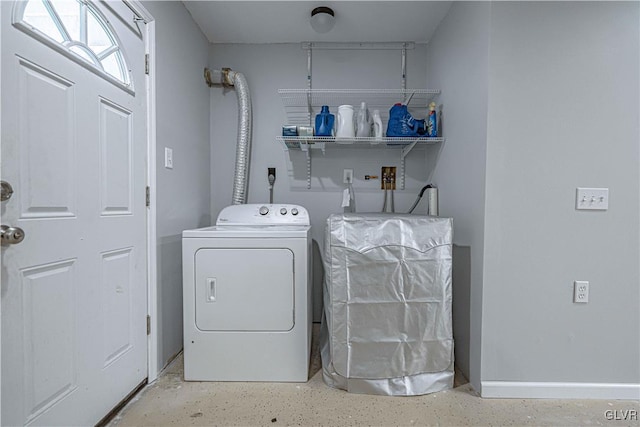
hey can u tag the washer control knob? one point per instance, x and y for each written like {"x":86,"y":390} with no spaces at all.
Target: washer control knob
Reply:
{"x":294,"y":211}
{"x":283,"y":211}
{"x":263,"y":210}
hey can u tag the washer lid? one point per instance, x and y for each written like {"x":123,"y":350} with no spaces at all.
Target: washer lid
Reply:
{"x":263,"y":214}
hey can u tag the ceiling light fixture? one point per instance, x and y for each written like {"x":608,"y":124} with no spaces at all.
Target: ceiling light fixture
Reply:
{"x":322,"y":19}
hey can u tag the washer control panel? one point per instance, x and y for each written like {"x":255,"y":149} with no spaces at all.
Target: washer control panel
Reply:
{"x":263,"y":214}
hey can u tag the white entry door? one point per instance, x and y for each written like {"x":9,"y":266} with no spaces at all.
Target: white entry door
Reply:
{"x":73,"y":147}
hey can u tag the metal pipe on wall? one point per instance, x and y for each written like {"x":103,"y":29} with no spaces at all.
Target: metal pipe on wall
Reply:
{"x":227,"y":77}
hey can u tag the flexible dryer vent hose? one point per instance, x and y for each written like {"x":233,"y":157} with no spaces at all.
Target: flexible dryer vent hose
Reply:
{"x":228,"y":77}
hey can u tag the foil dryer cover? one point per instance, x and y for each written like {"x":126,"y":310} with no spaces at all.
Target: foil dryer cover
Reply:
{"x":387,"y":325}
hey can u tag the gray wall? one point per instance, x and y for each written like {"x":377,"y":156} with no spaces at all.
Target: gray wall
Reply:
{"x":560,"y":85}
{"x":183,"y":193}
{"x":458,"y":64}
{"x":270,"y":67}
{"x":563,"y":113}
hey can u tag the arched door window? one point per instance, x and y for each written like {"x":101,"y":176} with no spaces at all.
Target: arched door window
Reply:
{"x":79,"y":28}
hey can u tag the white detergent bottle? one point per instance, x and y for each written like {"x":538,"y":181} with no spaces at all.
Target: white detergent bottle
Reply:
{"x":363,"y":122}
{"x":377,"y":125}
{"x":344,"y":125}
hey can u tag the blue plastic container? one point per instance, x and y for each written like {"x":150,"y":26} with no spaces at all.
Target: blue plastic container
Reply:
{"x":325,"y":122}
{"x":402,"y":124}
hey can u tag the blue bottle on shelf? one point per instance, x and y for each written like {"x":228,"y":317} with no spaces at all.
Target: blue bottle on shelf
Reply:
{"x":432,"y":123}
{"x":325,"y":122}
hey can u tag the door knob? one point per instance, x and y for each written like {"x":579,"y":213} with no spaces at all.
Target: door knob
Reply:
{"x":6,"y":191}
{"x":11,"y":235}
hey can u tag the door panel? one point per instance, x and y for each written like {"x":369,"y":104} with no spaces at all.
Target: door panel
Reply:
{"x":74,"y":291}
{"x":117,"y":283}
{"x":47,"y":142}
{"x":115,"y":159}
{"x":49,"y":341}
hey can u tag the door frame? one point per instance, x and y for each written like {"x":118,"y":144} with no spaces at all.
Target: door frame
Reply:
{"x":0,"y":218}
{"x":152,"y":272}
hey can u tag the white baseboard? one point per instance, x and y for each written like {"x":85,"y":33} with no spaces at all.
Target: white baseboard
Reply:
{"x":548,"y":390}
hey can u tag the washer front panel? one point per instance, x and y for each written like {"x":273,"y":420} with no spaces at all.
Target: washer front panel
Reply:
{"x":244,"y":290}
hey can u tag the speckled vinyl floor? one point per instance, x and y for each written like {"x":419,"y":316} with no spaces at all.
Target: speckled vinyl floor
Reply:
{"x":170,"y":401}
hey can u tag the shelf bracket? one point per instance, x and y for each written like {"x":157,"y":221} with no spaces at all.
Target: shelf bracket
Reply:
{"x":404,"y":66}
{"x":404,"y":152}
{"x":309,"y":109}
{"x":307,"y":152}
{"x":308,"y":169}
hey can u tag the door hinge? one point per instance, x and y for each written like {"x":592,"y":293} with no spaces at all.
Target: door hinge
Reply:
{"x":146,"y":63}
{"x":148,"y":196}
{"x":148,"y":325}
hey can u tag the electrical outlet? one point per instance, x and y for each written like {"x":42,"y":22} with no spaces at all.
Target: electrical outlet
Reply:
{"x":592,"y":198}
{"x":580,"y":291}
{"x":168,"y":158}
{"x":388,"y":180}
{"x":347,"y":176}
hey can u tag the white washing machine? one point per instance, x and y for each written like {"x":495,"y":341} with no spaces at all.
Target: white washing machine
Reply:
{"x":247,"y":295}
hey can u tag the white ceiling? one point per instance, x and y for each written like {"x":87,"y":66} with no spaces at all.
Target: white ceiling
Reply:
{"x":288,"y":21}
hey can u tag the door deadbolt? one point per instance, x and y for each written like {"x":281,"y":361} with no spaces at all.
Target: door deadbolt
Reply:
{"x":11,"y":235}
{"x":6,"y":191}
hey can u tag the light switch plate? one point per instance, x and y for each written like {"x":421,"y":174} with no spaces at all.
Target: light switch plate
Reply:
{"x":168,"y":158}
{"x":592,"y":199}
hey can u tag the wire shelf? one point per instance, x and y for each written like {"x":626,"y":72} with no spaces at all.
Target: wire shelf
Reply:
{"x":302,"y":105}
{"x":318,"y":142}
{"x":375,"y":97}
